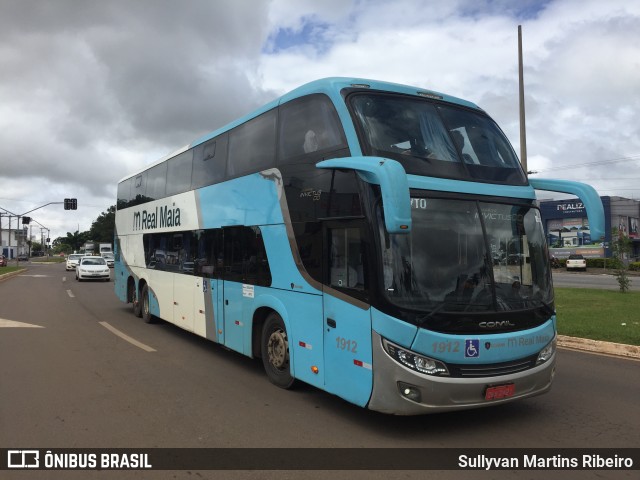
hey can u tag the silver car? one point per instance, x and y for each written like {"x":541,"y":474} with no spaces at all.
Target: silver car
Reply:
{"x":92,"y":268}
{"x":109,"y":257}
{"x":576,"y":262}
{"x":72,"y":260}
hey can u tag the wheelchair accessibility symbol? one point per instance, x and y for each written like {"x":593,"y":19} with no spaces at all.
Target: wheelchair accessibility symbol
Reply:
{"x":472,"y":348}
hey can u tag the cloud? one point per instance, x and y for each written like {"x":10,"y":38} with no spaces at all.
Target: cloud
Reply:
{"x":94,"y":90}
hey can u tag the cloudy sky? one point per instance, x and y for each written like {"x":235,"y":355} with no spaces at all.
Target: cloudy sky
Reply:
{"x":93,"y":90}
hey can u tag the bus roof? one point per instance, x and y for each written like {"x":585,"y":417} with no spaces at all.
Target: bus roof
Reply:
{"x":331,"y":86}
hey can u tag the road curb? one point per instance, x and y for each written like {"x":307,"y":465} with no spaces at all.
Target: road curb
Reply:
{"x":5,"y":276}
{"x":598,"y":346}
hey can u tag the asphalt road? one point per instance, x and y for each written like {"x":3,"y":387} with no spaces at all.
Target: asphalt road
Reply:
{"x":595,"y":279}
{"x":74,"y":383}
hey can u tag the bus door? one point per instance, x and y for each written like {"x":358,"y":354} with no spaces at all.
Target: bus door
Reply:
{"x":347,"y":317}
{"x":208,"y":267}
{"x":234,"y":292}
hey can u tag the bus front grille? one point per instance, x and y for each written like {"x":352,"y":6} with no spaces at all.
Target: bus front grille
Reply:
{"x":492,"y":369}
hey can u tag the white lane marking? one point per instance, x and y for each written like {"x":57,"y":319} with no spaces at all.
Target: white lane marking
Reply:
{"x":34,"y":276}
{"x":64,"y":279}
{"x":126,"y":337}
{"x":70,"y":293}
{"x":4,"y":323}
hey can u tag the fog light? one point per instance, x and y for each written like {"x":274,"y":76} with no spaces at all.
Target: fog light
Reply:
{"x":410,"y":392}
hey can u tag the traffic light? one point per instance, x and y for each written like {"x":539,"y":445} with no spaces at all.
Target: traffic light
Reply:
{"x":26,"y":220}
{"x":70,"y":203}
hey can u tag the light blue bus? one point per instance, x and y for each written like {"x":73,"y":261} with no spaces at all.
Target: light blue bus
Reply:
{"x":378,"y":241}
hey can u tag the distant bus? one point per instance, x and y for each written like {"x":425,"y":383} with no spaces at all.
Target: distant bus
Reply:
{"x":378,"y":241}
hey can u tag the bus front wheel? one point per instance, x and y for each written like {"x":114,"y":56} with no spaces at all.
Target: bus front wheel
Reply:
{"x":275,"y":351}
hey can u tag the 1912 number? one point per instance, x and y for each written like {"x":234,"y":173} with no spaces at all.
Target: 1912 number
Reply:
{"x":446,"y":347}
{"x":348,"y":345}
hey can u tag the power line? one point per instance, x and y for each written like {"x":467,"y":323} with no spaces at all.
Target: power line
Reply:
{"x":629,"y":158}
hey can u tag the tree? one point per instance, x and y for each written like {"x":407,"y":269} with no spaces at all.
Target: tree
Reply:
{"x":103,"y":228}
{"x":620,"y":248}
{"x":71,"y":243}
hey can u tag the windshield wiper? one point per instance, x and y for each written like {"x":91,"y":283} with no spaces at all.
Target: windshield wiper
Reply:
{"x":420,"y":320}
{"x":547,"y":308}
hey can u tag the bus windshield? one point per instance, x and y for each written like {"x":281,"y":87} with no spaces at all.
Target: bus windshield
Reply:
{"x":434,"y":139}
{"x":467,"y":256}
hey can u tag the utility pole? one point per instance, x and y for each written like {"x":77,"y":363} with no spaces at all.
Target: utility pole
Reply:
{"x":69,"y":204}
{"x":523,"y":128}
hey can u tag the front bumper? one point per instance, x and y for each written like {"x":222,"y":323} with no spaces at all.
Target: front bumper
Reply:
{"x":439,"y":394}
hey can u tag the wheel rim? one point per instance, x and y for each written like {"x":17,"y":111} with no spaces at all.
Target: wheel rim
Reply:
{"x":145,"y":305}
{"x":278,"y":349}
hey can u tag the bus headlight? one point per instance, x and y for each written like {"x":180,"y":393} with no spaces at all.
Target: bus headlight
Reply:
{"x":547,"y":352}
{"x":416,"y":362}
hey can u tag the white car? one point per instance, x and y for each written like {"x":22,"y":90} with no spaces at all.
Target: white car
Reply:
{"x":109,"y":258}
{"x":72,"y":260}
{"x":576,"y":262}
{"x":92,"y":268}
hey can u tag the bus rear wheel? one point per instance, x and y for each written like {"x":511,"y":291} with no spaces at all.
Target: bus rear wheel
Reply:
{"x":275,"y":351}
{"x":144,"y":303}
{"x":135,"y":299}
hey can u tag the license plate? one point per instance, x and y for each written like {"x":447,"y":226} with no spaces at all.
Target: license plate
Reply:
{"x":497,"y":392}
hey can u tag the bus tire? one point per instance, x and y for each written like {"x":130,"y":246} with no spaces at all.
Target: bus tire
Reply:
{"x":135,"y":300}
{"x":275,"y":351}
{"x":144,"y":306}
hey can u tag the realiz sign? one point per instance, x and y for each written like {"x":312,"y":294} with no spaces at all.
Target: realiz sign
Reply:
{"x":161,"y":217}
{"x":570,"y":207}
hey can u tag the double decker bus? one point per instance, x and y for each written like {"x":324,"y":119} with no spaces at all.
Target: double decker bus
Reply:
{"x":378,"y":241}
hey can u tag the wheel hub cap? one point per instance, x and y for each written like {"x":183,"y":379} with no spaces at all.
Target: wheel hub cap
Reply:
{"x":278,"y":349}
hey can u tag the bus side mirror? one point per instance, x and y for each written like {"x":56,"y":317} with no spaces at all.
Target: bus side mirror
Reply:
{"x":390,"y":175}
{"x":586,"y":193}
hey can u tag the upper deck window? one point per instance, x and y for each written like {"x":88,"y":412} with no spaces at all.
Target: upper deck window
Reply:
{"x":252,"y":145}
{"x":434,"y":139}
{"x":309,"y":130}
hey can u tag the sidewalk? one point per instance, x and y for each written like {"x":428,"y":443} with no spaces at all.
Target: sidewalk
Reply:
{"x":598,"y":346}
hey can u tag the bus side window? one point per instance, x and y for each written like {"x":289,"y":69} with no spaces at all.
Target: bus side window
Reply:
{"x":156,"y":182}
{"x":252,"y":145}
{"x":346,"y":259}
{"x":246,"y":257}
{"x":179,"y":173}
{"x":124,"y":193}
{"x":209,"y":162}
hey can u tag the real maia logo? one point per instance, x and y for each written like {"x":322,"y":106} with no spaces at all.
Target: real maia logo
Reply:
{"x":161,"y":217}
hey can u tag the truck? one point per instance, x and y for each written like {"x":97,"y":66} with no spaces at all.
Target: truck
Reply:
{"x":105,"y":248}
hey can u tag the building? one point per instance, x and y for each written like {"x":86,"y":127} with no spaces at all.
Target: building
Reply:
{"x":13,"y":242}
{"x":567,"y":228}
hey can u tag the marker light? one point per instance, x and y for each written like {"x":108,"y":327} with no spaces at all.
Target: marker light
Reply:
{"x":431,"y":95}
{"x":416,"y":362}
{"x":314,"y":369}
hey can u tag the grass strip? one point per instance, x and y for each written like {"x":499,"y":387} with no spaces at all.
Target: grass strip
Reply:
{"x":607,"y":315}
